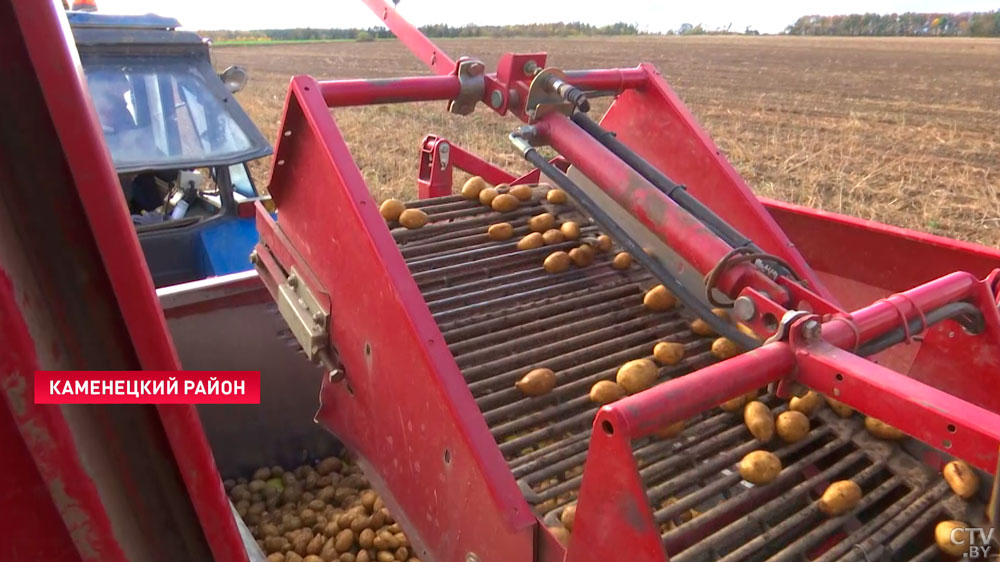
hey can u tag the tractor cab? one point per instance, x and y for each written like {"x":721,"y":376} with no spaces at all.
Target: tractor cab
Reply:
{"x":179,"y":140}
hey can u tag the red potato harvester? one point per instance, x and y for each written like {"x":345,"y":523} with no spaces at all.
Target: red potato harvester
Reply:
{"x":422,"y":332}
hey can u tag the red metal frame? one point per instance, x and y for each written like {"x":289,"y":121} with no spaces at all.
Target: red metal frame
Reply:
{"x":439,"y":158}
{"x":431,"y":428}
{"x":613,"y":515}
{"x":39,"y":31}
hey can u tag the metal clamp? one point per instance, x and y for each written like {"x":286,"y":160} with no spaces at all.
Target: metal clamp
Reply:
{"x":544,"y":95}
{"x":308,"y":321}
{"x":471,"y":77}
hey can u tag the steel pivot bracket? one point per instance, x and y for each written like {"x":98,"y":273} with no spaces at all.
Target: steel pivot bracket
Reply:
{"x":472,"y":80}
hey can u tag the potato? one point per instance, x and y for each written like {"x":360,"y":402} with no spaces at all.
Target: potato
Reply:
{"x":724,"y":348}
{"x":561,"y":534}
{"x":581,"y":258}
{"x":345,"y":557}
{"x":276,"y":557}
{"x":570,"y":230}
{"x":364,"y":556}
{"x":522,"y":192}
{"x":291,"y":556}
{"x":314,"y":546}
{"x":734,"y":404}
{"x":807,"y":403}
{"x":748,"y":331}
{"x":943,"y":533}
{"x":504,"y":203}
{"x":344,"y":540}
{"x":701,"y":328}
{"x":605,"y":392}
{"x":588,"y":249}
{"x":487,"y":195}
{"x":604,"y":243}
{"x":962,"y":479}
{"x":413,"y":218}
{"x":531,"y":241}
{"x":760,"y":467}
{"x":402,"y":553}
{"x":842,"y":410}
{"x":671,"y":431}
{"x":368,"y":498}
{"x":500,"y":231}
{"x":264,"y":473}
{"x":557,"y":262}
{"x":556,"y":196}
{"x":840,"y":497}
{"x":537,"y":382}
{"x":759,"y":420}
{"x":658,"y":299}
{"x":568,"y":516}
{"x":542,"y":222}
{"x":668,"y":353}
{"x":622,"y":260}
{"x":636,"y":375}
{"x":791,"y":426}
{"x":473,"y":187}
{"x":882,"y":430}
{"x":553,"y":236}
{"x":365,"y":538}
{"x":390,"y":209}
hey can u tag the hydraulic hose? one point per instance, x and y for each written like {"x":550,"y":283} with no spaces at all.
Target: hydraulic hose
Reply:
{"x":671,"y":189}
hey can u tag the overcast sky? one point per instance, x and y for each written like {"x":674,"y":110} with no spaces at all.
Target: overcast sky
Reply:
{"x":649,"y":15}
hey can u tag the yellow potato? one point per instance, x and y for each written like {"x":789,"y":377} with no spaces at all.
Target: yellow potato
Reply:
{"x":500,"y":231}
{"x":658,"y":299}
{"x":504,"y":203}
{"x":531,"y":241}
{"x":473,"y":186}
{"x":952,"y":538}
{"x":842,"y":410}
{"x":570,"y":230}
{"x":882,"y":430}
{"x":568,"y":516}
{"x":487,"y":195}
{"x":560,"y":534}
{"x":522,"y":192}
{"x":701,"y":328}
{"x":391,"y":209}
{"x":734,"y":404}
{"x":556,"y":196}
{"x":748,"y":331}
{"x":413,"y":218}
{"x":668,"y":353}
{"x":807,"y":403}
{"x":623,"y":260}
{"x":963,"y":480}
{"x":581,"y":258}
{"x":760,"y":467}
{"x":759,"y":420}
{"x":604,"y":243}
{"x":724,"y":348}
{"x":542,"y":222}
{"x":791,"y":426}
{"x":637,"y":375}
{"x":839,"y":498}
{"x":671,"y":431}
{"x":606,"y":392}
{"x":557,"y":262}
{"x":588,"y":249}
{"x":537,"y":382}
{"x":552,"y":236}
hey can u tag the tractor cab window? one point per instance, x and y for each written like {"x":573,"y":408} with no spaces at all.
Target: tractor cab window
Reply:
{"x":158,"y":116}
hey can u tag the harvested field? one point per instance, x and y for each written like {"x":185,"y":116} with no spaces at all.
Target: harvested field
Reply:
{"x":903,"y":131}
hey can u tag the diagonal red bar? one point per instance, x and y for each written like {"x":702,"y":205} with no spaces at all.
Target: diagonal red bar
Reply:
{"x":424,"y":49}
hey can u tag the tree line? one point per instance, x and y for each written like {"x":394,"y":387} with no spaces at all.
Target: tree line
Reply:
{"x":970,"y":24}
{"x":559,"y":29}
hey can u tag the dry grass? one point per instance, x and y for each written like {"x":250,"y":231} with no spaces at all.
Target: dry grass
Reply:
{"x":903,"y":131}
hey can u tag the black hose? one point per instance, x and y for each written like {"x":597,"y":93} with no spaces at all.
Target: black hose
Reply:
{"x":657,"y":268}
{"x":671,"y":189}
{"x":965,"y":313}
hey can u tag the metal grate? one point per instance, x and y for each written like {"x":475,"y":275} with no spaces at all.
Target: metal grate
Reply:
{"x":502,"y":315}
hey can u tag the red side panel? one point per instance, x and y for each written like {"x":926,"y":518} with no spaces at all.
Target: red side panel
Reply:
{"x":404,"y":407}
{"x":654,"y":123}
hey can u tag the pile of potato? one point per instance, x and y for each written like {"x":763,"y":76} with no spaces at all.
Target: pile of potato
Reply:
{"x":318,"y":513}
